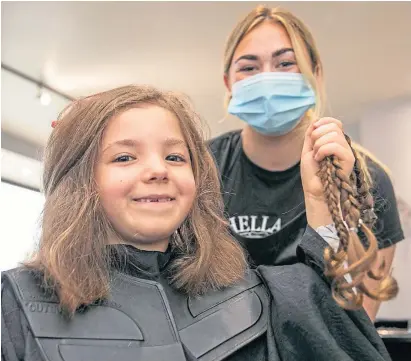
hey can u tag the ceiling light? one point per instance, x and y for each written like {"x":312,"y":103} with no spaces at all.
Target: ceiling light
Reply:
{"x":45,"y":98}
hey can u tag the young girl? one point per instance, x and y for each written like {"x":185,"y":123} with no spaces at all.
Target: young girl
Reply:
{"x":135,"y":260}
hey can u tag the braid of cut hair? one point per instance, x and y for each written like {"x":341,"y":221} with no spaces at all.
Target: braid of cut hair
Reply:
{"x":349,"y":200}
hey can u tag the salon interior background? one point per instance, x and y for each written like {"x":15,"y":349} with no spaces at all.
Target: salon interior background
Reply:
{"x":78,"y":48}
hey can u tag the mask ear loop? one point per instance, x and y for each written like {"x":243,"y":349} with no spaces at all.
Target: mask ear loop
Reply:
{"x":227,"y":98}
{"x":223,"y":119}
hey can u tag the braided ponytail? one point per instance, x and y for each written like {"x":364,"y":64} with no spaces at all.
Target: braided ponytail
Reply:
{"x":351,"y":206}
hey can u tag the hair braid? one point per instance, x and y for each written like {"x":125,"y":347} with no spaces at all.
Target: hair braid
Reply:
{"x":349,"y":200}
{"x":367,"y":206}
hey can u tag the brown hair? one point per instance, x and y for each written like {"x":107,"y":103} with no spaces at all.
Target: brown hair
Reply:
{"x":350,"y":193}
{"x":72,"y":255}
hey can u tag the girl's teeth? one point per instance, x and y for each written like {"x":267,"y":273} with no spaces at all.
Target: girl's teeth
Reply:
{"x":146,"y":200}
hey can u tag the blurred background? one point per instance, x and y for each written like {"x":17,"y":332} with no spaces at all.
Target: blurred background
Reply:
{"x":52,"y":52}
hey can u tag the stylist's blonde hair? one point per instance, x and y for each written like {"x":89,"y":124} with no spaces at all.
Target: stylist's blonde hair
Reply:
{"x":351,"y":194}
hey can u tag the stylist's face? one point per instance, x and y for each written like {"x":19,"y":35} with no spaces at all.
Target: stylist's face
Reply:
{"x":267,"y":48}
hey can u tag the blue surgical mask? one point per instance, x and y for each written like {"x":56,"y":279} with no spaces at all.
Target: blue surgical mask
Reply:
{"x":272,"y":103}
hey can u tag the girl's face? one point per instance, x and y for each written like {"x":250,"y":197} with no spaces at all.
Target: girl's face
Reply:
{"x":266,"y":48}
{"x":144,"y":176}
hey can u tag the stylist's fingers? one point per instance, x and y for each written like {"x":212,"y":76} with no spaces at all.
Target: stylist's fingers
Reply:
{"x":326,"y":129}
{"x":308,"y":142}
{"x":345,"y":156}
{"x":327,"y":138}
{"x":334,"y":149}
{"x":328,"y":120}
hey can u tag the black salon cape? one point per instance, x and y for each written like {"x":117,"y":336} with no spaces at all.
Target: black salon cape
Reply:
{"x":306,"y":323}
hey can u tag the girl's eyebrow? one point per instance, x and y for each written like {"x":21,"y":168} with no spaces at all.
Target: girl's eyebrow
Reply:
{"x":133,"y":143}
{"x":124,"y":142}
{"x":174,"y":141}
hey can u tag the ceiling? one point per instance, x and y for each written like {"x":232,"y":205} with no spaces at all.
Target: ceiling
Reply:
{"x":83,"y":47}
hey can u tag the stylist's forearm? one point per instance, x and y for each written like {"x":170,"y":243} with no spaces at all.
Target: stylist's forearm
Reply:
{"x":317,"y":212}
{"x":371,"y":306}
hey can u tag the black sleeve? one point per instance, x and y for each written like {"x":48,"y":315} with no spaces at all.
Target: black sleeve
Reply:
{"x":308,"y":324}
{"x":219,"y":148}
{"x":310,"y":250}
{"x":388,"y":226}
{"x":225,"y":149}
{"x":12,"y":337}
{"x":17,"y":341}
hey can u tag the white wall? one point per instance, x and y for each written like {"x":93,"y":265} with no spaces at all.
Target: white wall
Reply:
{"x":20,"y":224}
{"x":385,"y":130}
{"x":19,"y":169}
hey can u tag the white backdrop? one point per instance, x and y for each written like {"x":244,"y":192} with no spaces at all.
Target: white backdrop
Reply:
{"x":20,"y":216}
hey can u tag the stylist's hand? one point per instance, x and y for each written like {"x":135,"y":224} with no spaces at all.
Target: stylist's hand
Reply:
{"x":323,"y":138}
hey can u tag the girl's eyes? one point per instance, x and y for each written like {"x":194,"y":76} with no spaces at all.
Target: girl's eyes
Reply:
{"x":127,"y":158}
{"x":175,"y":158}
{"x":123,"y":158}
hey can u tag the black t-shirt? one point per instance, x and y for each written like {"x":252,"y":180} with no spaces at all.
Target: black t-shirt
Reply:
{"x":266,"y":209}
